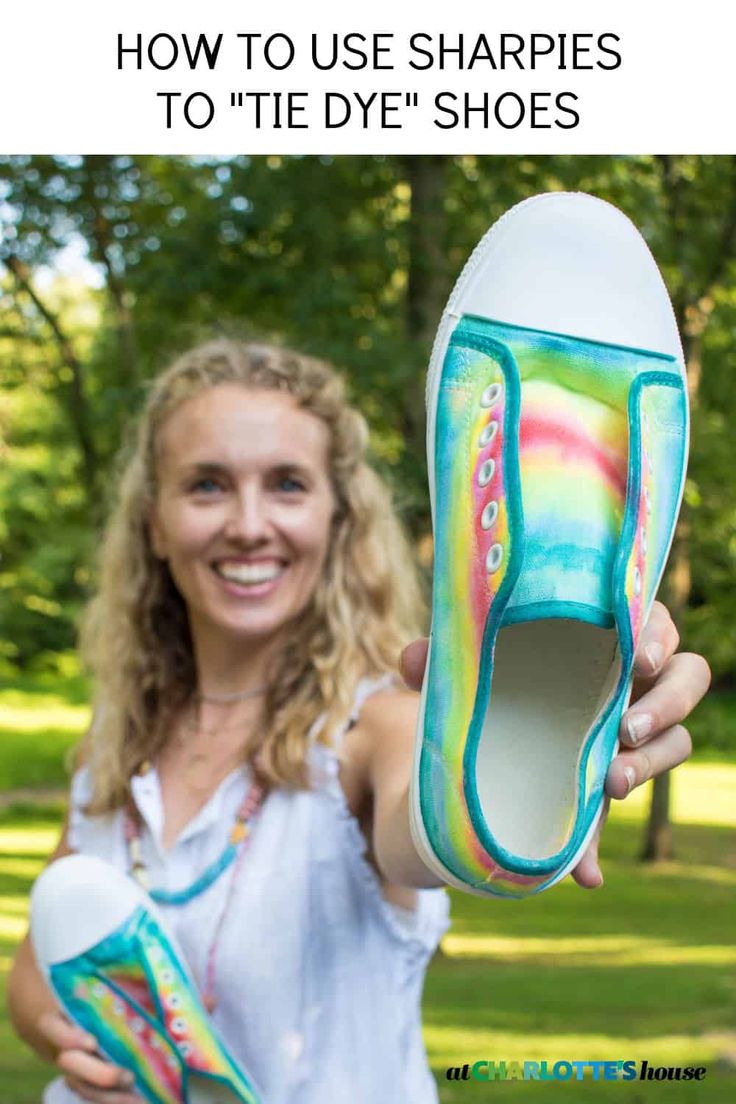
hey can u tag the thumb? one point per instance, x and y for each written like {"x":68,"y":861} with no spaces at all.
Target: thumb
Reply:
{"x":64,"y":1034}
{"x":587,"y":873}
{"x":412,"y":662}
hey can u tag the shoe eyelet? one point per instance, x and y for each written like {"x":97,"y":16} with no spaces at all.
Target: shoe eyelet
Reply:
{"x":644,"y":541}
{"x":488,"y":433}
{"x":167,"y":976}
{"x":174,"y":1001}
{"x":637,"y":582}
{"x":494,"y":557}
{"x":491,"y":395}
{"x":485,"y":475}
{"x":489,"y":515}
{"x":178,"y":1025}
{"x":647,"y":500}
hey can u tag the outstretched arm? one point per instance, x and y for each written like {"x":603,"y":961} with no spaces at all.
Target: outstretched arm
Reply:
{"x":389,"y":721}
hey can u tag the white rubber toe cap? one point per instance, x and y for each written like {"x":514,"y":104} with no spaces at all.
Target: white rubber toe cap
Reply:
{"x":570,"y":263}
{"x":75,"y":903}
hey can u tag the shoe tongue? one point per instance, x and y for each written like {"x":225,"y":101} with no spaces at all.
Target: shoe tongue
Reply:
{"x":573,"y":458}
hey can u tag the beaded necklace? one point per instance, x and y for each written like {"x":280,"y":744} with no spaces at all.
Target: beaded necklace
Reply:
{"x":233,"y":852}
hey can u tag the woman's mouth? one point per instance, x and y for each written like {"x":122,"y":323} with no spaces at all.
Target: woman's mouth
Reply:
{"x":254,"y":578}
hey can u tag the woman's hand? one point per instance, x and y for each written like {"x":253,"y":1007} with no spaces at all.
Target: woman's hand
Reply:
{"x":667,"y":687}
{"x":92,"y":1077}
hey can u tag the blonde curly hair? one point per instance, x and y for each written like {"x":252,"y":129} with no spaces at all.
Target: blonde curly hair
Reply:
{"x":135,"y":634}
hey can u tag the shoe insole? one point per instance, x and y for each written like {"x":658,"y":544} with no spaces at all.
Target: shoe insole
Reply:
{"x":203,"y":1090}
{"x":551,"y":678}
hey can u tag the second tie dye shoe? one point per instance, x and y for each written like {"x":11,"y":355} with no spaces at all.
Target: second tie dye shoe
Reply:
{"x":117,"y":973}
{"x":557,"y":445}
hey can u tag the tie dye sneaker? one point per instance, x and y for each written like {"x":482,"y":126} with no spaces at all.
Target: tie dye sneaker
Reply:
{"x":557,"y":431}
{"x":117,"y":973}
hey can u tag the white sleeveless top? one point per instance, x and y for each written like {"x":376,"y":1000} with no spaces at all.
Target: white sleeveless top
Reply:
{"x":318,"y":977}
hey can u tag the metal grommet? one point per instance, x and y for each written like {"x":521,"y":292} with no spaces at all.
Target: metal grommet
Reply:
{"x":491,"y":395}
{"x":485,"y":475}
{"x":489,"y":515}
{"x":494,"y":557}
{"x":488,"y":433}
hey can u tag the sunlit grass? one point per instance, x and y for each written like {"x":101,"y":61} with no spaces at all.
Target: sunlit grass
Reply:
{"x":47,"y":713}
{"x":608,"y":951}
{"x":37,"y":839}
{"x":701,"y":793}
{"x":41,"y":718}
{"x":448,"y":1043}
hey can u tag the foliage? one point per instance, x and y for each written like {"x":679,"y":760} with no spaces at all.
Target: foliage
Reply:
{"x":333,"y":255}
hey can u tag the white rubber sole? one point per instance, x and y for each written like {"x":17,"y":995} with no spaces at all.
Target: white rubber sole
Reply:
{"x":568,"y":263}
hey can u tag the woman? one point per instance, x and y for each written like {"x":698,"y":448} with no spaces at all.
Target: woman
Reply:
{"x":255,"y":594}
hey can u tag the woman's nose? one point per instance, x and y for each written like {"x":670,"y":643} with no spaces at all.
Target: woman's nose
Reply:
{"x":248,"y":515}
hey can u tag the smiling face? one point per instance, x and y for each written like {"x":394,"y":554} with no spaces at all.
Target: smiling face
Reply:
{"x":243,"y":509}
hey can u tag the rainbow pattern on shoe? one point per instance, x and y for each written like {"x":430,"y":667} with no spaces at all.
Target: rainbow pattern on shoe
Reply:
{"x":558,"y":465}
{"x":132,"y":993}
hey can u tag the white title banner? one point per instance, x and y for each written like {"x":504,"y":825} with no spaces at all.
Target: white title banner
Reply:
{"x":288,"y":77}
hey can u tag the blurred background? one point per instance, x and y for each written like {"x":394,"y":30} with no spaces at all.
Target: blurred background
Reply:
{"x":109,"y":266}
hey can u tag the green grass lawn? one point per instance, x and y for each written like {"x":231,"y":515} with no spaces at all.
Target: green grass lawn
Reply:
{"x":643,"y":968}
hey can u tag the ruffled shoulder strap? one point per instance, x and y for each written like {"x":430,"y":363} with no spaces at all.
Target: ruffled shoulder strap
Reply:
{"x":326,"y":757}
{"x":80,"y":794}
{"x":364,"y":689}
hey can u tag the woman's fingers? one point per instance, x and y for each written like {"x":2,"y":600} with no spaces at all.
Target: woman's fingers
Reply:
{"x":413,"y":661}
{"x":632,"y":768}
{"x":97,"y":1073}
{"x":668,"y":701}
{"x":658,"y":643}
{"x":65,"y":1035}
{"x":101,"y":1096}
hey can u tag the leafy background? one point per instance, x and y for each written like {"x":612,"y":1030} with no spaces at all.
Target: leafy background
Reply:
{"x":348,"y":258}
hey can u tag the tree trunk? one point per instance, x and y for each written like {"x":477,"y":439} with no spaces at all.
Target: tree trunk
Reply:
{"x":101,"y":171}
{"x":427,"y":276}
{"x":692,"y":319}
{"x":78,"y":406}
{"x":658,"y":844}
{"x":427,"y":290}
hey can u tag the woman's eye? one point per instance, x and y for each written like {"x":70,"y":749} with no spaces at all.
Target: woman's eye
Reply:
{"x":288,"y":483}
{"x":206,"y":486}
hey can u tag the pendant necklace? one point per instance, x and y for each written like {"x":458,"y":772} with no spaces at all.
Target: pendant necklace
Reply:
{"x":232,"y":855}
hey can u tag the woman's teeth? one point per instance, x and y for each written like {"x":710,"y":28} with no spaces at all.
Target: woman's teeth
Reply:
{"x":249,"y":573}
